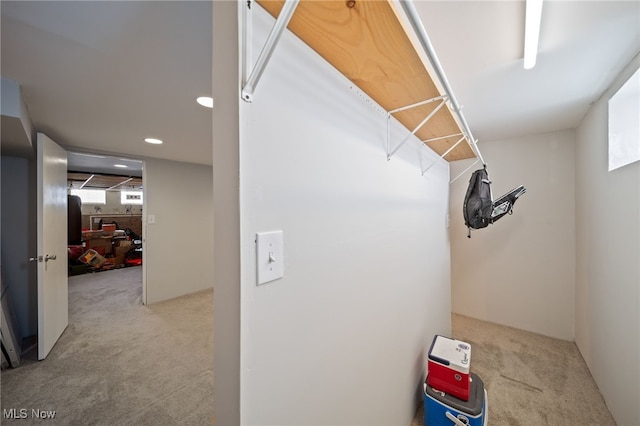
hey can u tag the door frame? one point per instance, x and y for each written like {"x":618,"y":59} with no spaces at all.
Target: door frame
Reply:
{"x":144,"y":203}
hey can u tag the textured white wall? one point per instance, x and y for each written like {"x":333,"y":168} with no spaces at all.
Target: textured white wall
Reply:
{"x":607,"y":267}
{"x":178,"y":248}
{"x":343,"y":337}
{"x":520,"y":271}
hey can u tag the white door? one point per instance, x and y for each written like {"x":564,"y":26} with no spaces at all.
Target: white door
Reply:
{"x":53,"y":302}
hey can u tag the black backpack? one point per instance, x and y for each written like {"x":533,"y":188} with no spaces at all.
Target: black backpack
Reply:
{"x":479,"y":209}
{"x":478,"y":202}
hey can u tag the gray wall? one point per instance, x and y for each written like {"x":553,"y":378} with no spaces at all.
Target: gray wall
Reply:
{"x":607,"y":264}
{"x":18,"y":241}
{"x":178,"y":249}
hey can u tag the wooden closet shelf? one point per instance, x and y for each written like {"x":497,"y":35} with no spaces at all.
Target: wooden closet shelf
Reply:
{"x":366,"y":42}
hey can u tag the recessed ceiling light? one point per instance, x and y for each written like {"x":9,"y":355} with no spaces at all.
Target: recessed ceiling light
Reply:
{"x":121,"y":166}
{"x":205,"y":101}
{"x":153,"y":141}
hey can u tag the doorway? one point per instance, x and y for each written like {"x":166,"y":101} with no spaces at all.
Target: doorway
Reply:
{"x":106,"y":204}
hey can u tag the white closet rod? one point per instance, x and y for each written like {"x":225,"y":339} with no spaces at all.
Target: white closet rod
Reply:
{"x":421,"y":33}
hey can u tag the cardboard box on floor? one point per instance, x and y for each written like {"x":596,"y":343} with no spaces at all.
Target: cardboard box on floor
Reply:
{"x":101,"y":245}
{"x":121,"y":247}
{"x":92,"y":258}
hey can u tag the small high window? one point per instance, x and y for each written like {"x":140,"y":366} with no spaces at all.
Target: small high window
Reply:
{"x":91,"y":196}
{"x":624,"y":124}
{"x":131,"y":197}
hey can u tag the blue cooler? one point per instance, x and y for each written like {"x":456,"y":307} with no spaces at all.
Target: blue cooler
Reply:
{"x":441,"y":409}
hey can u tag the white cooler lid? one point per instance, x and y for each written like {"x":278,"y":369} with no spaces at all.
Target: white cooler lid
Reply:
{"x":451,"y":352}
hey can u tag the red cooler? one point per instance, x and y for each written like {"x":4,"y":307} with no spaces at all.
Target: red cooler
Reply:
{"x":448,"y":366}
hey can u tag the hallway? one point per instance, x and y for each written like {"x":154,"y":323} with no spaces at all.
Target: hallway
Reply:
{"x":119,"y":362}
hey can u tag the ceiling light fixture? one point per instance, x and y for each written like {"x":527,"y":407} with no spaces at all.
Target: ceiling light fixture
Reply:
{"x":205,"y":101}
{"x":533,"y":15}
{"x":153,"y":141}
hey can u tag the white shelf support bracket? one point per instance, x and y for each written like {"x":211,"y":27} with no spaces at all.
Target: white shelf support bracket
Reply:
{"x":444,"y":154}
{"x":464,"y":171}
{"x":417,"y":104}
{"x":442,"y":137}
{"x":443,"y":100}
{"x":280,"y":25}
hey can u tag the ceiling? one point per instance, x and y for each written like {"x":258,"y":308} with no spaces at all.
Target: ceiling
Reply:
{"x":99,"y":77}
{"x":583,"y":46}
{"x":77,"y":180}
{"x":97,"y":171}
{"x":106,"y":164}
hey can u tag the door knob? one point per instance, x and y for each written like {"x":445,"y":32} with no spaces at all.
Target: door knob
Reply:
{"x":48,"y":258}
{"x":35,"y":259}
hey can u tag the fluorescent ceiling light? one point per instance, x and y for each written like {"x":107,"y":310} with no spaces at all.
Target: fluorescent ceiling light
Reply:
{"x":153,"y":141}
{"x":121,"y":166}
{"x":87,"y":155}
{"x":205,"y":101}
{"x":533,"y":15}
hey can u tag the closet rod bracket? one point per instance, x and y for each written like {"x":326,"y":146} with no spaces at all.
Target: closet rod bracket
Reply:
{"x":443,"y":100}
{"x":464,"y":171}
{"x":444,"y":154}
{"x":280,"y":25}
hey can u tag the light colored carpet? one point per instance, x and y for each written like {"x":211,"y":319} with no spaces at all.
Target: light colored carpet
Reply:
{"x":119,"y":362}
{"x":530,"y":379}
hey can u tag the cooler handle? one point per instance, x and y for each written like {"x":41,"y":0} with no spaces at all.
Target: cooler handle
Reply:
{"x":456,"y":421}
{"x":486,"y":409}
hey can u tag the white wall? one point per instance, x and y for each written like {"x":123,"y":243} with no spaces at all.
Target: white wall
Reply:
{"x":178,"y":250}
{"x":607,"y":265}
{"x":520,"y":271}
{"x":343,"y":337}
{"x":226,"y":209}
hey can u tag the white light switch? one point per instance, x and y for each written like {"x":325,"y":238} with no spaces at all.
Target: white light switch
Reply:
{"x":151,"y":219}
{"x":269,"y":255}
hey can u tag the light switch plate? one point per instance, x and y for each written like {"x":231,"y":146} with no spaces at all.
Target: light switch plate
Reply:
{"x":269,"y":256}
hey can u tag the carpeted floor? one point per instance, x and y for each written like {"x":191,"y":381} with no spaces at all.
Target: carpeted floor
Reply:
{"x":530,"y":379}
{"x":119,"y":362}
